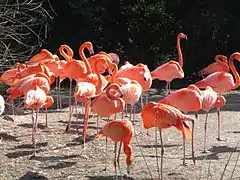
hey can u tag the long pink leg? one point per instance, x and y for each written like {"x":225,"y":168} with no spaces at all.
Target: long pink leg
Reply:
{"x":86,"y":118}
{"x":70,"y":107}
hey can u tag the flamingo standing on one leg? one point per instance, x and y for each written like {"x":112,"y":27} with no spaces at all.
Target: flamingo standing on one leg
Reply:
{"x":210,"y":100}
{"x":119,"y":130}
{"x":164,"y":116}
{"x":222,"y":82}
{"x":36,"y":99}
{"x":221,"y":64}
{"x":171,"y":69}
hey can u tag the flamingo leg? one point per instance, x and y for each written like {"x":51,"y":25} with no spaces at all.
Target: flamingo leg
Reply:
{"x":46,"y":117}
{"x":34,"y":131}
{"x":114,"y":160}
{"x":167,"y":88}
{"x":156,"y":144}
{"x":106,"y":154}
{"x":134,"y":111}
{"x":86,"y":118}
{"x":205,"y":133}
{"x":126,"y":110}
{"x":118,"y":157}
{"x":162,"y":152}
{"x":77,"y":116}
{"x":184,"y":150}
{"x":193,"y":156}
{"x":57,"y":92}
{"x":141,"y":99}
{"x":97,"y":123}
{"x":70,"y":107}
{"x":131,"y":114}
{"x":219,"y":125}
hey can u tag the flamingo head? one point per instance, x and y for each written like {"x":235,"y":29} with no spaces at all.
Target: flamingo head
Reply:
{"x":89,"y":46}
{"x":181,"y":35}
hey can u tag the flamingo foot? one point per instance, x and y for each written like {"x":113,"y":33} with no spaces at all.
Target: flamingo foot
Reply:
{"x":205,"y":151}
{"x":219,"y":139}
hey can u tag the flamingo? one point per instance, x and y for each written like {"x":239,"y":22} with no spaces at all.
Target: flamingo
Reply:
{"x":2,"y":105}
{"x":139,"y":72}
{"x":211,"y":100}
{"x":41,"y":57}
{"x":112,"y":103}
{"x":100,"y":55}
{"x":74,"y":69}
{"x":192,"y":95}
{"x":221,"y":64}
{"x":83,"y":95}
{"x":222,"y":81}
{"x":131,"y":95}
{"x":113,"y":76}
{"x":119,"y":130}
{"x":8,"y":77}
{"x":164,"y":116}
{"x":28,"y":83}
{"x":171,"y":69}
{"x":36,"y":99}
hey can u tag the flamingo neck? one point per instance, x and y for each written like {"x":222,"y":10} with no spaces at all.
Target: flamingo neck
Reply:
{"x":100,"y":81}
{"x":220,"y":102}
{"x":180,"y":56}
{"x":128,"y":151}
{"x":221,"y":58}
{"x":83,"y":57}
{"x":112,"y":87}
{"x":114,"y":70}
{"x":69,"y":55}
{"x":234,"y":71}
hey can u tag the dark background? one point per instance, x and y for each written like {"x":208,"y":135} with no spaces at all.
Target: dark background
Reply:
{"x":145,"y":30}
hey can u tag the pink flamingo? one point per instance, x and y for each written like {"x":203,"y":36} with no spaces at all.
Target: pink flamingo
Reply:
{"x":36,"y":99}
{"x":164,"y":116}
{"x":222,"y":81}
{"x":211,"y":100}
{"x":221,"y":64}
{"x":192,"y":95}
{"x":171,"y":69}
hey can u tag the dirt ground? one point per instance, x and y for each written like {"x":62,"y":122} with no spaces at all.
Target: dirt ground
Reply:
{"x":61,"y":155}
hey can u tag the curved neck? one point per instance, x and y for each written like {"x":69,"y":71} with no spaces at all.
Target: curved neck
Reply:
{"x":221,"y":59}
{"x":114,"y":70}
{"x":49,"y":102}
{"x":100,"y":82}
{"x":220,"y":102}
{"x":180,"y":56}
{"x":89,"y":46}
{"x":234,"y":71}
{"x":69,"y":55}
{"x":128,"y":151}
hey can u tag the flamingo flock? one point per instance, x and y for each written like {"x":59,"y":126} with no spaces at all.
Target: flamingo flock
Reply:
{"x":105,"y":89}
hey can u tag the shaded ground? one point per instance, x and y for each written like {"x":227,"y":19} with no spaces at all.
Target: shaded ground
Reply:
{"x":61,"y":155}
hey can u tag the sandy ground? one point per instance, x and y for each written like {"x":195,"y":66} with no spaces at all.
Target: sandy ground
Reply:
{"x":61,"y":155}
